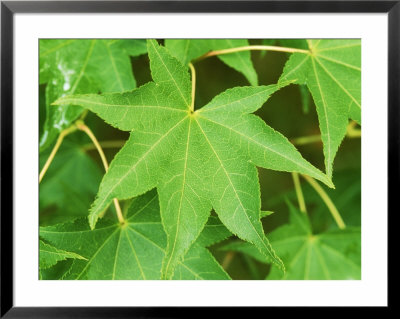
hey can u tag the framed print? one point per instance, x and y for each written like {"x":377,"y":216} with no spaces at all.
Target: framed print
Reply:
{"x":162,"y":155}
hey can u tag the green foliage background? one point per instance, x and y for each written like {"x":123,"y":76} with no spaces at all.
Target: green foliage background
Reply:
{"x":72,"y":181}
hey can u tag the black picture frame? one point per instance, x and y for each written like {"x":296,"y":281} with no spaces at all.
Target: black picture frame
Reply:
{"x":9,"y":8}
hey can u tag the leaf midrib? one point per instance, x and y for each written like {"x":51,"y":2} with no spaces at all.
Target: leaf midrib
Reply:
{"x":328,"y":155}
{"x":116,"y":256}
{"x":256,"y":142}
{"x":181,"y":199}
{"x":213,"y":108}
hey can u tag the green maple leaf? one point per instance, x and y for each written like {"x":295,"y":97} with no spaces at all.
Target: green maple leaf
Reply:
{"x":188,"y":49}
{"x":332,"y":72}
{"x":197,"y":160}
{"x":49,"y":255}
{"x":330,"y":255}
{"x":134,"y":250}
{"x":82,"y":66}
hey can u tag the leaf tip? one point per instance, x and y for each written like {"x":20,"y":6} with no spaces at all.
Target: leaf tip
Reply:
{"x":327,"y":180}
{"x":330,"y":184}
{"x":60,"y":101}
{"x":92,"y":221}
{"x":56,"y":102}
{"x":265,"y":213}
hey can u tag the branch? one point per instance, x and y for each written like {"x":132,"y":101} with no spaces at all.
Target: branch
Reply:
{"x":193,"y":71}
{"x":352,"y":132}
{"x":81,"y":126}
{"x":252,"y":48}
{"x":104,"y":144}
{"x":324,"y":196}
{"x":299,"y":192}
{"x":60,"y":138}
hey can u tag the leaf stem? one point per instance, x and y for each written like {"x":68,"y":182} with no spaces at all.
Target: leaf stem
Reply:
{"x":303,"y":140}
{"x":60,"y":138}
{"x":328,"y":202}
{"x":81,"y":126}
{"x":352,"y":132}
{"x":299,"y":192}
{"x":84,"y":114}
{"x":104,"y":144}
{"x":351,"y":125}
{"x":228,"y":259}
{"x":193,"y":71}
{"x":252,"y":48}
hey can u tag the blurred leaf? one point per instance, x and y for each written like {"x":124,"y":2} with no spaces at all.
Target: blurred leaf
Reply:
{"x":69,"y":186}
{"x":332,"y":255}
{"x":75,"y":66}
{"x":62,"y":66}
{"x":187,"y":50}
